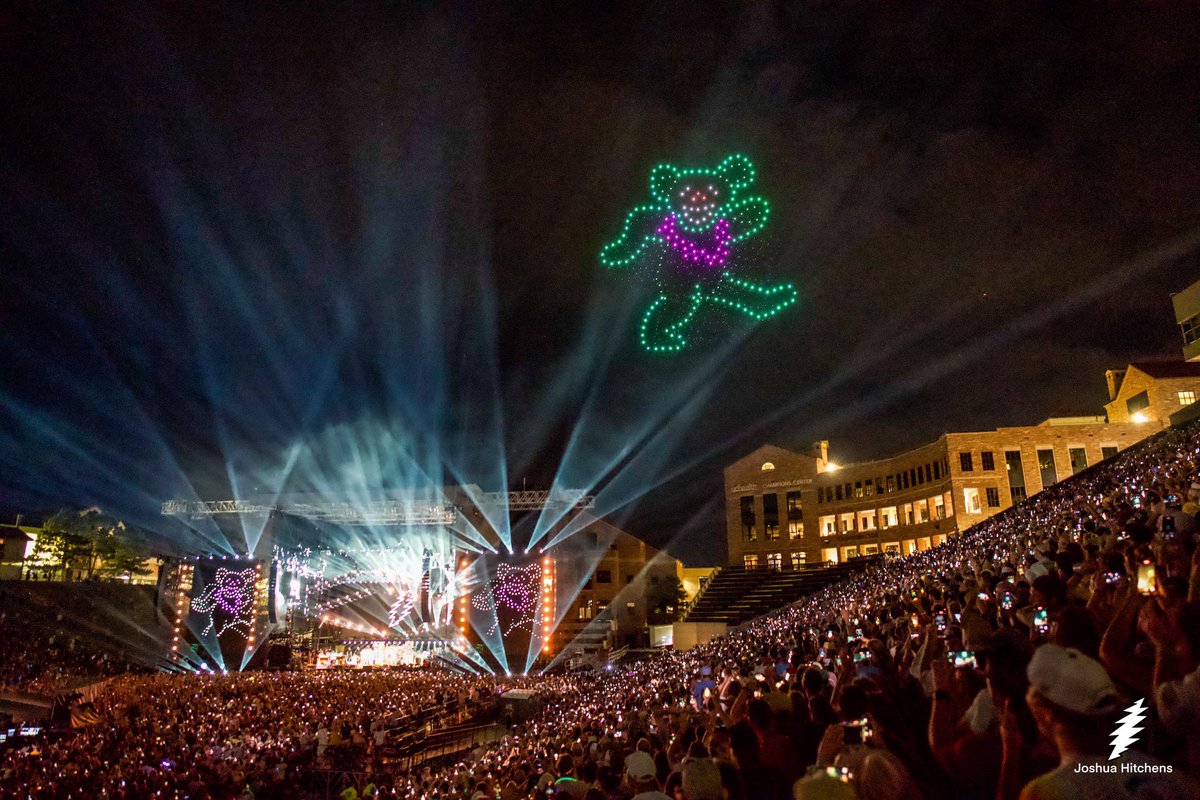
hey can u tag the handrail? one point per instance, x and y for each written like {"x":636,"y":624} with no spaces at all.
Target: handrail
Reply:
{"x":700,"y":592}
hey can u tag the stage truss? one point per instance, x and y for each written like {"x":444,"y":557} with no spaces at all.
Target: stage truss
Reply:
{"x":383,"y":512}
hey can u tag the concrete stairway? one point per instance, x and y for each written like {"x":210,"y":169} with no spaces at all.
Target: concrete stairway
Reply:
{"x":737,"y":594}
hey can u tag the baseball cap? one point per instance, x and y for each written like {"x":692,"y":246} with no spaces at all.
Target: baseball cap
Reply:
{"x":571,"y":786}
{"x":639,"y":764}
{"x":702,"y":780}
{"x":1072,"y":680}
{"x":1037,"y":570}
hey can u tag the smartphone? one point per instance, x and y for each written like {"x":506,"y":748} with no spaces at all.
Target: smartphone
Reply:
{"x":939,"y":620}
{"x":982,"y":595}
{"x":915,"y":620}
{"x":1007,"y":600}
{"x":963,"y":659}
{"x":1168,"y":527}
{"x":1146,"y":583}
{"x":1041,"y":621}
{"x":861,"y":656}
{"x":1112,"y":578}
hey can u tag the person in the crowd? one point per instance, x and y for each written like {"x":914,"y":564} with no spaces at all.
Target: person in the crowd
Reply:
{"x":1078,"y":708}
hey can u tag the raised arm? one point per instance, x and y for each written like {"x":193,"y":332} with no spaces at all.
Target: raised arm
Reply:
{"x":747,"y":217}
{"x":637,"y":232}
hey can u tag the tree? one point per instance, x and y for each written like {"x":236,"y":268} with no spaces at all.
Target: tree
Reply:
{"x":121,"y":556}
{"x":90,"y":542}
{"x":667,"y":596}
{"x":63,"y":541}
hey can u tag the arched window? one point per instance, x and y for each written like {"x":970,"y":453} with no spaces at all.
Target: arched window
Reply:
{"x":767,"y":465}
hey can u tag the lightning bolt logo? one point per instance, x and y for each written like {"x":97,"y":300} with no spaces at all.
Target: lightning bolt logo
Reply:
{"x":1128,"y":728}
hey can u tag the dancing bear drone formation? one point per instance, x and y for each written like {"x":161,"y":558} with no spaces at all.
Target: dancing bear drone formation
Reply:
{"x":231,"y":595}
{"x":694,"y":219}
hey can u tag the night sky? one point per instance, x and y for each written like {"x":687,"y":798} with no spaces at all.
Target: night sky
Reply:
{"x":225,"y":232}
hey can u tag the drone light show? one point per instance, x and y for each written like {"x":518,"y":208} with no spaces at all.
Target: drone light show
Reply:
{"x":227,"y":601}
{"x":689,"y":233}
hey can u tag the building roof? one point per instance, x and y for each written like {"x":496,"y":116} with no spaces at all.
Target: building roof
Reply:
{"x":765,"y":453}
{"x":13,"y":532}
{"x":1169,"y":369}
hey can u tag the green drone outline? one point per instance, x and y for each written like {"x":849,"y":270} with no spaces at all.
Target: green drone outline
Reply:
{"x":746,"y":216}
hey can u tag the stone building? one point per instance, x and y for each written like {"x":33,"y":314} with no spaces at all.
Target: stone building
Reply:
{"x":787,"y":509}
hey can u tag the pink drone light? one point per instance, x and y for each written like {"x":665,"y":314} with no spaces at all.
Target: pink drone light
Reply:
{"x":714,"y":255}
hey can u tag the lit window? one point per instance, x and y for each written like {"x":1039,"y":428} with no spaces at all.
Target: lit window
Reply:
{"x":767,"y":466}
{"x":1187,"y":398}
{"x":750,"y":561}
{"x":971,"y":501}
{"x":795,"y":529}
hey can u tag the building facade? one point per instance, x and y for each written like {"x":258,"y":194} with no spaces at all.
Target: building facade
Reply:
{"x":1151,"y":391}
{"x":788,"y":510}
{"x":1187,"y":315}
{"x":617,"y":600}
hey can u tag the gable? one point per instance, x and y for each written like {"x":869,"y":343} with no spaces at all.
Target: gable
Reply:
{"x":768,"y":453}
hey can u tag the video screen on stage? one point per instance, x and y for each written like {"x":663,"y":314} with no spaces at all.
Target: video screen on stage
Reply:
{"x":511,"y":604}
{"x":225,"y":601}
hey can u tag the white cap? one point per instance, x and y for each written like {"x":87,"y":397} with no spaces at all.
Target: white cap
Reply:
{"x":1038,"y":569}
{"x":639,"y":764}
{"x":1068,"y":678}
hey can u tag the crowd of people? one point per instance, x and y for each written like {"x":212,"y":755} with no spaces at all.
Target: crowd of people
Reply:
{"x":1052,"y":651}
{"x":45,"y":651}
{"x":205,"y":735}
